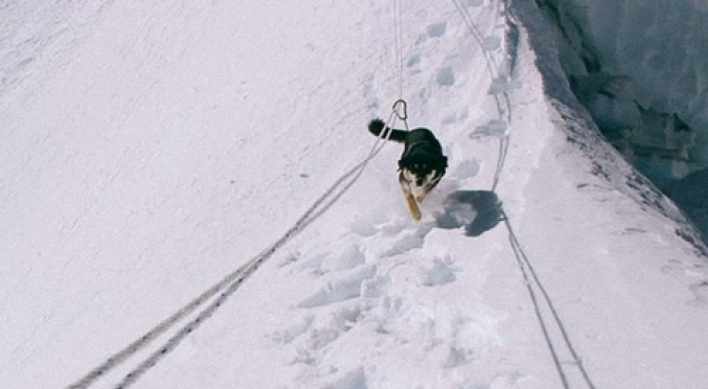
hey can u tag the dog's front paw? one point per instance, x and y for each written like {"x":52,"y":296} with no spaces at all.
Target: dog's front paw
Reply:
{"x":413,"y":206}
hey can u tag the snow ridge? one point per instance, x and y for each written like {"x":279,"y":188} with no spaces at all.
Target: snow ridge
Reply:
{"x":361,"y":278}
{"x":364,"y":281}
{"x":364,"y":286}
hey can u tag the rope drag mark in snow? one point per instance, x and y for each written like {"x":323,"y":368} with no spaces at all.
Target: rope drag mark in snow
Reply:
{"x":499,"y":86}
{"x":532,"y":281}
{"x":233,"y":281}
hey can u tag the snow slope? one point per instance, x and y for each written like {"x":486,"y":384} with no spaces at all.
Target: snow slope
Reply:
{"x":150,"y":149}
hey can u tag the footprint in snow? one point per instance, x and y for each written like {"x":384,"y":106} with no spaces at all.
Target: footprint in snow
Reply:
{"x":439,"y":273}
{"x":300,"y":327}
{"x":445,"y":77}
{"x":413,"y":60}
{"x":501,"y":85}
{"x":456,"y":116}
{"x":353,"y":380}
{"x":312,"y":333}
{"x":465,"y":170}
{"x":437,"y":30}
{"x":414,"y":64}
{"x":700,"y":293}
{"x":398,"y":238}
{"x":494,"y":128}
{"x":492,"y":43}
{"x":343,"y":289}
{"x":344,"y":258}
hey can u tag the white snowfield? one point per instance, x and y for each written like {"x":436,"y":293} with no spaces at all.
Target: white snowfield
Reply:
{"x":150,"y":149}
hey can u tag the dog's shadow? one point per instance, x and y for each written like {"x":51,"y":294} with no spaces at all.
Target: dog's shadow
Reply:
{"x":477,"y":211}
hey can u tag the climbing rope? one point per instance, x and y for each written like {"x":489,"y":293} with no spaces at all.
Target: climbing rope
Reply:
{"x":531,"y":279}
{"x":501,"y":98}
{"x":228,"y":285}
{"x":219,"y":293}
{"x":398,"y":43}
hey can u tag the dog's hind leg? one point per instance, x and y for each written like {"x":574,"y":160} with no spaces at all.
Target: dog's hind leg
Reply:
{"x":412,"y":204}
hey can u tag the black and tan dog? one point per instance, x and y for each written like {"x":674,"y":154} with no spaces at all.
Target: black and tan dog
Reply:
{"x":422,"y":163}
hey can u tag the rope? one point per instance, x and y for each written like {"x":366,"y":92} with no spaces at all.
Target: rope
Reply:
{"x":504,"y":113}
{"x":503,"y":142}
{"x":502,"y":101}
{"x":531,"y":279}
{"x":398,"y":32}
{"x":154,"y":333}
{"x":233,"y":281}
{"x":501,"y":159}
{"x":520,"y":257}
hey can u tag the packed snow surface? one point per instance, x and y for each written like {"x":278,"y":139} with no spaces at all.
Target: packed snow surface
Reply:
{"x":151,"y":149}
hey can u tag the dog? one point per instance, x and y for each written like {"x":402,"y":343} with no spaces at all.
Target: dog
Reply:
{"x":422,"y":163}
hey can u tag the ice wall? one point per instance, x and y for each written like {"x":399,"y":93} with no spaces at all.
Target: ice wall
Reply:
{"x":662,"y":45}
{"x":641,"y":68}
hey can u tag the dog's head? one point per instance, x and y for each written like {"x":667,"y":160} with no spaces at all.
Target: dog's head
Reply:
{"x":422,"y":174}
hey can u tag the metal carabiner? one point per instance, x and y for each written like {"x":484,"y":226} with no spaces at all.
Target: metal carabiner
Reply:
{"x":404,"y":114}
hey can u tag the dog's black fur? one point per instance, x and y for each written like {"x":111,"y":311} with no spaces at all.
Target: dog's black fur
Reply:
{"x":422,"y":163}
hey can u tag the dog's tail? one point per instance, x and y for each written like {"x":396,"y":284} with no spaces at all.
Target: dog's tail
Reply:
{"x":377,"y":126}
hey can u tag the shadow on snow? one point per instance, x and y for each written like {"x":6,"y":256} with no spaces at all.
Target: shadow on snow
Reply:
{"x":476,"y":211}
